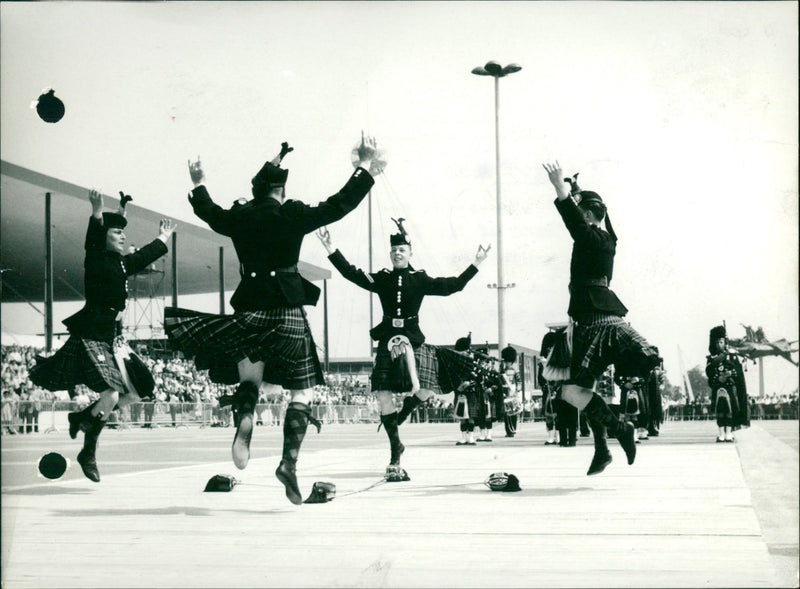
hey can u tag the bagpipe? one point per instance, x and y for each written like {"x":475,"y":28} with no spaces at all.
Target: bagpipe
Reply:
{"x":480,"y":386}
{"x":633,"y":400}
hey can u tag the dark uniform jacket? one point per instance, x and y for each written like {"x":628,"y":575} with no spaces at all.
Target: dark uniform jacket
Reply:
{"x":591,"y":266}
{"x":105,"y":283}
{"x":401,"y":293}
{"x":725,"y":370}
{"x":267,"y":236}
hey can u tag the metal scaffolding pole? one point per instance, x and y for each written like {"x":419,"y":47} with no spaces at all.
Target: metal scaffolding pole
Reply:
{"x":221,"y":280}
{"x":174,"y":270}
{"x":48,"y":273}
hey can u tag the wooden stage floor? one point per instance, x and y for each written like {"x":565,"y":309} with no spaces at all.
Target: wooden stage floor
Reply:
{"x":688,"y":513}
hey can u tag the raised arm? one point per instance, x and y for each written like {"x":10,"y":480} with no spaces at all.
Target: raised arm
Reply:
{"x":140,"y":259}
{"x":95,"y":233}
{"x":576,"y":223}
{"x":217,"y":218}
{"x":311,"y":218}
{"x":445,"y":286}
{"x":350,"y":272}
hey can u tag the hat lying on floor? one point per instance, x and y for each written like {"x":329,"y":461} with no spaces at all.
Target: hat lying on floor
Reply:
{"x":502,"y":481}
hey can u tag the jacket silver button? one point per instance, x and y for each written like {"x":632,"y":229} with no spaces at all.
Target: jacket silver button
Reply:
{"x":272,"y":273}
{"x":252,"y":274}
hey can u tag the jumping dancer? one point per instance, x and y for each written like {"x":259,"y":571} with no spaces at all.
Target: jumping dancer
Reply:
{"x":268,"y":337}
{"x":599,"y":335}
{"x":403,"y":362}
{"x":96,"y":353}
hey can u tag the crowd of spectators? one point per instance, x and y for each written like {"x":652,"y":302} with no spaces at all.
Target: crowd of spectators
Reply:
{"x":184,"y":394}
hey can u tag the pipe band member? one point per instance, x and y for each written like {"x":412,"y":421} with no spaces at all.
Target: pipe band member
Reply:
{"x":401,"y":291}
{"x":599,"y":334}
{"x":96,"y":354}
{"x":490,"y":395}
{"x":268,"y":337}
{"x":466,"y":394}
{"x":549,"y":393}
{"x":728,"y":388}
{"x":512,"y":391}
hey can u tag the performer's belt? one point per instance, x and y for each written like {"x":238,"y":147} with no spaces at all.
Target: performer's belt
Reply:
{"x":602,"y":281}
{"x":401,"y":321}
{"x":255,"y":271}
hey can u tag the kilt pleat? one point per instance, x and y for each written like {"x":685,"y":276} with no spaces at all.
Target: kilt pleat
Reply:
{"x":281,"y":338}
{"x":610,"y":340}
{"x":79,"y":361}
{"x":439,"y":370}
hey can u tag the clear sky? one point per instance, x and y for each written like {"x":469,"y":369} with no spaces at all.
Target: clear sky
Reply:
{"x":682,"y":115}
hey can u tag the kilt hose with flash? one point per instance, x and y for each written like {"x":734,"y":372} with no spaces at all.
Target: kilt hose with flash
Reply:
{"x":279,"y":337}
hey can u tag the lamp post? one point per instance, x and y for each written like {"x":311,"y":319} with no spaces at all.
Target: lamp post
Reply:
{"x":495,"y":70}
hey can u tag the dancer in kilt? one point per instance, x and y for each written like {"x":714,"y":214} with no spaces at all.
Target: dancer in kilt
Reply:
{"x":95,"y":353}
{"x":599,"y":334}
{"x":403,"y":361}
{"x":728,"y":388}
{"x":268,"y":337}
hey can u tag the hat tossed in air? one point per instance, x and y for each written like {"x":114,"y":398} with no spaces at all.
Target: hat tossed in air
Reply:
{"x":400,"y":238}
{"x":271,"y":174}
{"x":49,"y":107}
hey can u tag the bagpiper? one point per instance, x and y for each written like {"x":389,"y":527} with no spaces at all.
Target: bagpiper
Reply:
{"x":512,"y":391}
{"x":728,"y":388}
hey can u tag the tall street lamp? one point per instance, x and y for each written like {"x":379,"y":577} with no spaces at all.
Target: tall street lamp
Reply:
{"x":494,"y":69}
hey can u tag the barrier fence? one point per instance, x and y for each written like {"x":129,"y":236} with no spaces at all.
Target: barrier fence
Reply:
{"x":36,"y":416}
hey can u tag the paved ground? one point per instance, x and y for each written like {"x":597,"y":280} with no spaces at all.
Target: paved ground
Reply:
{"x":688,"y":513}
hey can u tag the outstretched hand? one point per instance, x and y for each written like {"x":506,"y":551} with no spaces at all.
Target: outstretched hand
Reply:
{"x":165,"y":229}
{"x":96,"y":200}
{"x":196,"y":172}
{"x":367,"y":150}
{"x":325,"y":237}
{"x":556,"y":177}
{"x":482,"y":254}
{"x":554,"y":173}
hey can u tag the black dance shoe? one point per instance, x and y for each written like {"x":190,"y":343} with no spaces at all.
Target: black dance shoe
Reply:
{"x":287,"y":476}
{"x":240,"y":450}
{"x":89,"y":465}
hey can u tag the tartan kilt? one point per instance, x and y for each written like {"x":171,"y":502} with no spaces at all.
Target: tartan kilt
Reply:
{"x":609,"y":340}
{"x":280,"y":337}
{"x":392,"y":375}
{"x":79,"y":361}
